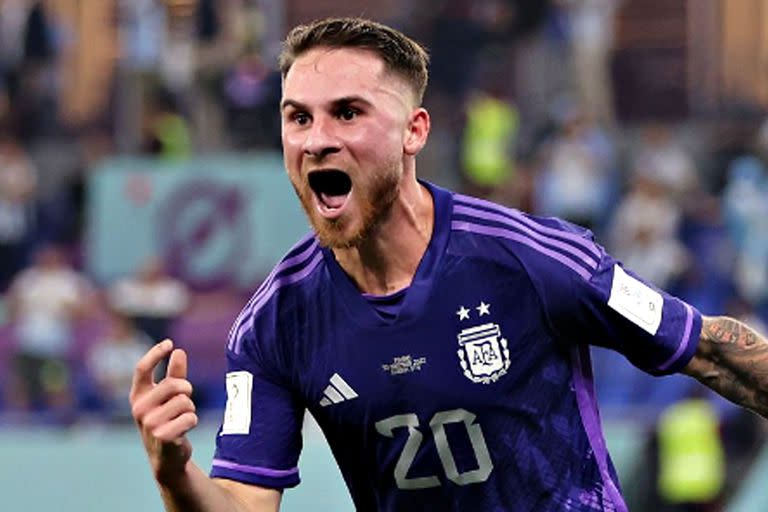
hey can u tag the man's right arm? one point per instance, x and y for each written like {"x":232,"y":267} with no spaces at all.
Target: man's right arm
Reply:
{"x":164,"y":413}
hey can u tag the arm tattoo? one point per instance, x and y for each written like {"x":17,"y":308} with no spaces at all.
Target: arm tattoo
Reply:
{"x":732,"y":359}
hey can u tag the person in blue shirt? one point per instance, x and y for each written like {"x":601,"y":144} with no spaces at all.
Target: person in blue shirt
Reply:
{"x":441,"y":341}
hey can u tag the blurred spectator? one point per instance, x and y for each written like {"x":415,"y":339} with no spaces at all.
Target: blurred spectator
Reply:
{"x":34,"y":88}
{"x":746,"y":211}
{"x":140,"y":33}
{"x":251,"y":92}
{"x":44,"y":302}
{"x":13,"y":15}
{"x":592,"y":27}
{"x":207,"y":21}
{"x":166,"y":131}
{"x":110,"y":364}
{"x":669,"y":163}
{"x":456,"y":32}
{"x":151,"y":298}
{"x":213,"y":55}
{"x":576,"y":180}
{"x":18,"y":185}
{"x":177,"y":53}
{"x":644,"y":232}
{"x":488,"y":146}
{"x":708,"y":279}
{"x":454,"y":39}
{"x":141,"y":24}
{"x":93,"y":145}
{"x":691,"y":457}
{"x":38,"y":34}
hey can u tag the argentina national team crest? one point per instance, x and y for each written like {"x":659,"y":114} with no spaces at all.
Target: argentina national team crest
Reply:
{"x":483,"y":353}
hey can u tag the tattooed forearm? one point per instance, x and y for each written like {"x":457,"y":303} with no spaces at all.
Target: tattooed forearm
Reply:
{"x":732,"y":359}
{"x":727,"y":331}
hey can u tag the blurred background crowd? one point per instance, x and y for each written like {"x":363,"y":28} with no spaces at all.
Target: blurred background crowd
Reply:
{"x":644,"y":120}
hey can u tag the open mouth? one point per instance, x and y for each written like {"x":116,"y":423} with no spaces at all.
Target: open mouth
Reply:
{"x":331,"y":188}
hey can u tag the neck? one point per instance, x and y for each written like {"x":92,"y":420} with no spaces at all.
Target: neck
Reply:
{"x":387,"y":261}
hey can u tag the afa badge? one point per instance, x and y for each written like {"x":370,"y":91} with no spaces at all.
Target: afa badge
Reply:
{"x":483,"y":353}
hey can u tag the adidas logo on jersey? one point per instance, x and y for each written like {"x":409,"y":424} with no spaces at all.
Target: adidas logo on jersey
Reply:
{"x":337,"y":391}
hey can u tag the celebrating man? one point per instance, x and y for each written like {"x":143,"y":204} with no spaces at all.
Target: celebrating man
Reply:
{"x":440,"y":341}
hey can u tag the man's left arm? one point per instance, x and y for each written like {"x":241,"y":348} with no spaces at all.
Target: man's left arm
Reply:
{"x":732,"y":359}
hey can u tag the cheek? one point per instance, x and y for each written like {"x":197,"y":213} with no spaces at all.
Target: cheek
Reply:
{"x":292,"y":151}
{"x":292,"y":141}
{"x":377,"y":143}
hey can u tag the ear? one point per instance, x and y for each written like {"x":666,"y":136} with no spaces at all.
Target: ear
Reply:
{"x":417,"y":131}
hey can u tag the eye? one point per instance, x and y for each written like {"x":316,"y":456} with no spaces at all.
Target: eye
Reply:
{"x":348,"y":113}
{"x":300,"y":118}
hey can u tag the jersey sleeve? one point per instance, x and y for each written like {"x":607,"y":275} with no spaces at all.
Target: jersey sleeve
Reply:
{"x":588,"y":296}
{"x":259,"y":441}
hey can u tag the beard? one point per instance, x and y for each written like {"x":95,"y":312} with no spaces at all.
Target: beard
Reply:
{"x":375,"y":199}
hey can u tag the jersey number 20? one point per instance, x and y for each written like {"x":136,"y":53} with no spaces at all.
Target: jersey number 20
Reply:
{"x":387,"y":427}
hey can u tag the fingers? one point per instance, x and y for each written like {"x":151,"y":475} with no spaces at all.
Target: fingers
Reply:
{"x":161,"y":421}
{"x":142,"y":374}
{"x":177,"y":366}
{"x":164,"y":411}
{"x":159,"y":395}
{"x":173,"y":430}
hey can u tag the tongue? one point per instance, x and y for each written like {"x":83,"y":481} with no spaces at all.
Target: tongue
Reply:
{"x":333,"y":201}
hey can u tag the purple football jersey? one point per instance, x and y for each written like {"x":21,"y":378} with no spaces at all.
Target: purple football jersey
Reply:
{"x":472,"y":390}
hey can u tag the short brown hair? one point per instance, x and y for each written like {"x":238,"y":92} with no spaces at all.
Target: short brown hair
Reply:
{"x":401,"y":54}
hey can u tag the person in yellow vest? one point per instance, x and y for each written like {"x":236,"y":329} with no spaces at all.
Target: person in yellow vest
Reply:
{"x":487,"y":149}
{"x":166,"y":131}
{"x":691,"y":456}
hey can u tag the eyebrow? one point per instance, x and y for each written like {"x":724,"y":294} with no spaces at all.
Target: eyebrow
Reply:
{"x":344,"y":100}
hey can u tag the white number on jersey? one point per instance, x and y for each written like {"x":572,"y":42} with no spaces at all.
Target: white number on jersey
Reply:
{"x":387,"y":427}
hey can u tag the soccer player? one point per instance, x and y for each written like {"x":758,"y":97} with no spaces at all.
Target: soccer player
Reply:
{"x":440,"y":341}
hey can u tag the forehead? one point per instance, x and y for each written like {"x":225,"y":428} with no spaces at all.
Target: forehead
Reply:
{"x":348,"y":62}
{"x":340,"y":72}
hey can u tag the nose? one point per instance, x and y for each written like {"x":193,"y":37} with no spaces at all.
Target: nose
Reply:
{"x":321,"y":139}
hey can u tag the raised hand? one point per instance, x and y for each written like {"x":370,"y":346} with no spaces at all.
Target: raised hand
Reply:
{"x":164,"y":411}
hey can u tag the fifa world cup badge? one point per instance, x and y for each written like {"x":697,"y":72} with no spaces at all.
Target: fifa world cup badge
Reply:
{"x":483,"y":353}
